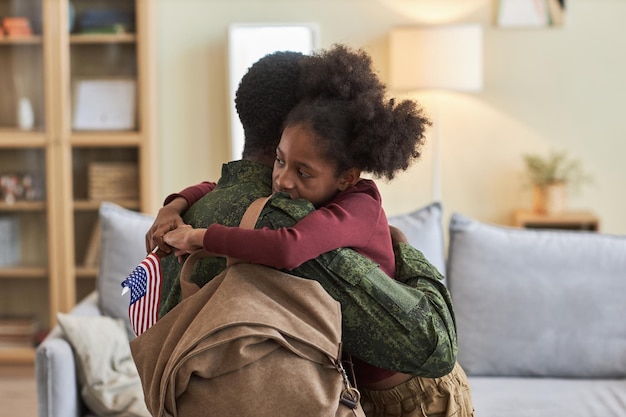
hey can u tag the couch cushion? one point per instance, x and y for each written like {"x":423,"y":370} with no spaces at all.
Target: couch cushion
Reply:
{"x":532,"y":397}
{"x":538,"y":302}
{"x":108,"y":378}
{"x":122,"y":249}
{"x":424,"y":232}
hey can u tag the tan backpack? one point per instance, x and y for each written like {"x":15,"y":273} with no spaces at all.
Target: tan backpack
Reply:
{"x":254,"y":341}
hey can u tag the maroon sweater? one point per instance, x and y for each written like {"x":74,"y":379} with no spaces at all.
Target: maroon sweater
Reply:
{"x":353,"y":219}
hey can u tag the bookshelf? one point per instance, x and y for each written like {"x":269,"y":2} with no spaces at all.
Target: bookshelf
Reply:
{"x":67,"y":46}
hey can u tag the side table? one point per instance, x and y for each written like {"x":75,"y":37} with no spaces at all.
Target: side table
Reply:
{"x":569,"y":220}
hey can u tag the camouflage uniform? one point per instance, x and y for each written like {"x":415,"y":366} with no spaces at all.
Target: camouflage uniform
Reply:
{"x":406,"y":324}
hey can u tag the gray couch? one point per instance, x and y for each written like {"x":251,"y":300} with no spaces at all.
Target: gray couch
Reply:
{"x":540,"y":319}
{"x":539,"y":316}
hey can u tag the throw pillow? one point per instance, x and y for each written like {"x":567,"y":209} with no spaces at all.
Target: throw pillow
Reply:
{"x":538,"y":302}
{"x":424,"y":230}
{"x":122,"y":249}
{"x":110,"y":384}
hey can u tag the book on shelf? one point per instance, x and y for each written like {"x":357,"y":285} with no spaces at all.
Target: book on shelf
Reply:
{"x":9,"y":240}
{"x":19,"y":341}
{"x":18,"y":325}
{"x":17,"y":26}
{"x":18,"y":331}
{"x":105,"y":21}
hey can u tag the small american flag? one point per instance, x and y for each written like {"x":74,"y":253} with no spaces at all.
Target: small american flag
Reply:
{"x":145,"y":293}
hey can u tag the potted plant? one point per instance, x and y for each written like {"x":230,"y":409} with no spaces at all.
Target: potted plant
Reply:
{"x":550,"y":177}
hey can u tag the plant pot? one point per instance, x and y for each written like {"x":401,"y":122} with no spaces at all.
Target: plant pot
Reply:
{"x":550,"y":199}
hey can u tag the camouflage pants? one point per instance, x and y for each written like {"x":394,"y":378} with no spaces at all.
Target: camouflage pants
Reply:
{"x":448,"y":396}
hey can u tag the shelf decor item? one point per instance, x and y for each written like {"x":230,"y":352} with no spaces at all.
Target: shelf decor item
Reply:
{"x":17,"y":332}
{"x":25,"y":114}
{"x":113,"y":181}
{"x":9,"y":240}
{"x":106,"y":104}
{"x":98,"y":21}
{"x":17,"y":26}
{"x":530,"y":13}
{"x":551,"y":176}
{"x":16,"y":186}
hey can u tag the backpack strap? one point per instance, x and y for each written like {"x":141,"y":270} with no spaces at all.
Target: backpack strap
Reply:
{"x":248,"y":221}
{"x":250,"y":217}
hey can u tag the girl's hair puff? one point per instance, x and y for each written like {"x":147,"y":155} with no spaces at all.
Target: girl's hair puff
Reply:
{"x":345,"y":107}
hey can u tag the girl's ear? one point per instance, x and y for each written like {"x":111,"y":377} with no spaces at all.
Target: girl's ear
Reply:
{"x":349,"y":178}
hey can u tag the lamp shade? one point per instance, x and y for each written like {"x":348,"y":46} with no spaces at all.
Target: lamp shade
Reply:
{"x":437,"y":57}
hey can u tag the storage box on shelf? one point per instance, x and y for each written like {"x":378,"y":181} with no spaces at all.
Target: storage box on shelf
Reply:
{"x":43,"y":68}
{"x":18,"y":332}
{"x":113,"y":181}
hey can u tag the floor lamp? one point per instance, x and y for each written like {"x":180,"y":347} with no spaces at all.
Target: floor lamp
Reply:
{"x":436,"y":58}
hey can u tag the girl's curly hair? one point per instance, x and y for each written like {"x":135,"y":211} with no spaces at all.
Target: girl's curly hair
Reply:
{"x":346,"y":108}
{"x":339,"y":73}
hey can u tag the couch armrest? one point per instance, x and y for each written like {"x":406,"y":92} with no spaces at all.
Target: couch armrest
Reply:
{"x":58,"y":391}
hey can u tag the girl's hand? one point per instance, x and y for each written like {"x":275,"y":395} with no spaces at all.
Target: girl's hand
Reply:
{"x":185,"y":240}
{"x":168,"y":218}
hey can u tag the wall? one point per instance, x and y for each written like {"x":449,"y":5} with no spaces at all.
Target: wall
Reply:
{"x":552,"y":88}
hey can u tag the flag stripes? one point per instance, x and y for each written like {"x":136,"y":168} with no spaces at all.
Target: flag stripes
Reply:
{"x":145,"y":293}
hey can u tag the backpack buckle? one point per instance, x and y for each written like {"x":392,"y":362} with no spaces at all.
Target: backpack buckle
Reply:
{"x":350,"y":397}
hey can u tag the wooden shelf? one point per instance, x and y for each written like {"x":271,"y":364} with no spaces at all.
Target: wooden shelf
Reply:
{"x":23,"y":206}
{"x":21,"y":40}
{"x":108,"y":138}
{"x":89,"y":205}
{"x":86,"y":272}
{"x":16,"y":356}
{"x":571,"y":220}
{"x":92,"y":38}
{"x":23,"y":272}
{"x":15,"y":138}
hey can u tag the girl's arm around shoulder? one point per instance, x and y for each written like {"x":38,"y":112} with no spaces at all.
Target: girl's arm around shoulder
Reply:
{"x":345,"y":222}
{"x":169,"y":216}
{"x":192,"y":193}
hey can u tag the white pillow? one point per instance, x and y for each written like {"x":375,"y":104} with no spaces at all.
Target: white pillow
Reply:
{"x":122,"y":249}
{"x":110,"y":384}
{"x":538,"y":302}
{"x":424,"y":231}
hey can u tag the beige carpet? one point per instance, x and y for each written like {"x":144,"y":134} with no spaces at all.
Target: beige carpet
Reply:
{"x":18,"y":392}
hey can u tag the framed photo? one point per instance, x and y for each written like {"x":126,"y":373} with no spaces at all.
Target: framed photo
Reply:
{"x":530,"y":13}
{"x":249,"y":42}
{"x":104,"y":104}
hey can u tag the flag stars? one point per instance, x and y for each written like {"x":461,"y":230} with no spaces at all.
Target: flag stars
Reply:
{"x":144,"y":283}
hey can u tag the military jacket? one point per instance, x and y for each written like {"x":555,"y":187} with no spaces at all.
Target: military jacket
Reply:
{"x":406,"y":325}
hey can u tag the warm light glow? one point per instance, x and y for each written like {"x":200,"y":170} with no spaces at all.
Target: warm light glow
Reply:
{"x":436,"y":57}
{"x":436,"y":11}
